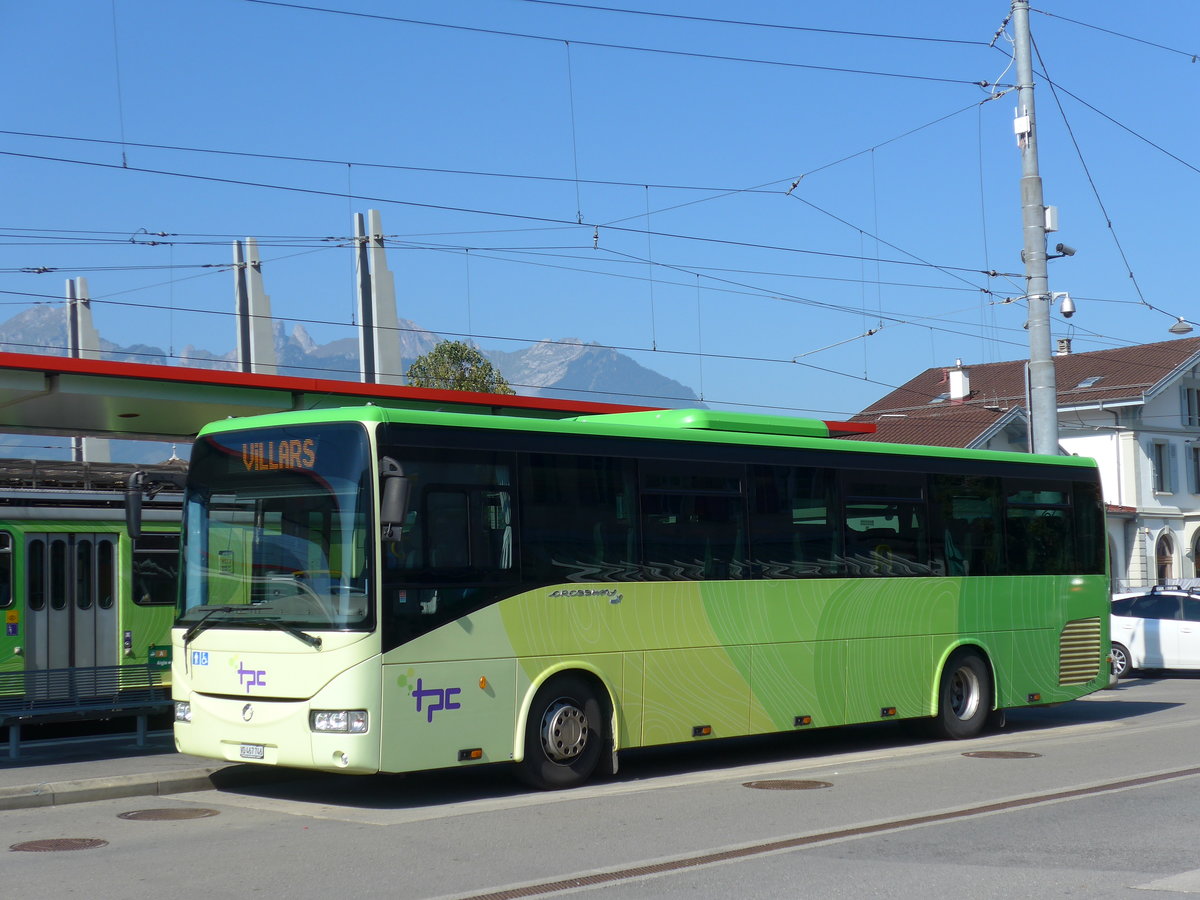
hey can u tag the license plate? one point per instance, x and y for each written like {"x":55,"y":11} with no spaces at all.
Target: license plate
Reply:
{"x":252,"y":751}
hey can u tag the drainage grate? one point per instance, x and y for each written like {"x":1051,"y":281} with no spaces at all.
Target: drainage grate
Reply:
{"x":167,"y":815}
{"x":785,"y":784}
{"x":53,"y":844}
{"x":1002,"y":754}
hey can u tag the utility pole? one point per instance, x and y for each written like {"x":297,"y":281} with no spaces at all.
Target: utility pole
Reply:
{"x":1043,"y":392}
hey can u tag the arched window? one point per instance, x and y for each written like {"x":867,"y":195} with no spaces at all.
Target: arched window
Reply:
{"x":1164,"y":558}
{"x":1196,"y":555}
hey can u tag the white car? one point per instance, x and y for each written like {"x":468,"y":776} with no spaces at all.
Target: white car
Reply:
{"x":1155,"y":629}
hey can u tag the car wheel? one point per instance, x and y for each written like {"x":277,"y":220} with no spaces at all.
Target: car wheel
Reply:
{"x":1120,"y":661}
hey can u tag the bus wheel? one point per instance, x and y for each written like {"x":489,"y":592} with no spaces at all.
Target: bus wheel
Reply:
{"x":964,"y":696}
{"x":563,"y":734}
{"x":1120,"y":660}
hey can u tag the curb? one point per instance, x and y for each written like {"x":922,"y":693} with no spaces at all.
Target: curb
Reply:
{"x":181,"y":781}
{"x":84,"y":790}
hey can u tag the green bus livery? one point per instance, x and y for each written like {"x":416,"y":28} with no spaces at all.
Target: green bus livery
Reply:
{"x":367,"y":590}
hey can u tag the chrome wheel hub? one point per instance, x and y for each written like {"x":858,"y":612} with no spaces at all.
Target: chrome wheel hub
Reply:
{"x":564,"y":731}
{"x":964,"y":693}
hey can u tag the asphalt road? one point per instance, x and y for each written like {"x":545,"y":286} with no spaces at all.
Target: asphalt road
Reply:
{"x":1093,"y":798}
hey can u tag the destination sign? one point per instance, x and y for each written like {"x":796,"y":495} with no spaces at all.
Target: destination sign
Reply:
{"x":296,"y":453}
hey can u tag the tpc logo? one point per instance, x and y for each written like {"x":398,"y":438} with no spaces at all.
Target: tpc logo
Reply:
{"x":442,"y":700}
{"x":251,"y":677}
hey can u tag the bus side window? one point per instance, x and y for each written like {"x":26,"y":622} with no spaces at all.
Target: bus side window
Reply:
{"x":693,"y":521}
{"x":791,"y":532}
{"x":886,"y":523}
{"x":577,"y":518}
{"x":1039,"y":528}
{"x":968,"y":522}
{"x":448,"y":528}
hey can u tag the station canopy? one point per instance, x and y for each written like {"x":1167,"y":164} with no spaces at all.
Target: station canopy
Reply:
{"x":119,"y":400}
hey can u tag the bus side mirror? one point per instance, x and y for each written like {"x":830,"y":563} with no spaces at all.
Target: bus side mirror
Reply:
{"x":393,"y":505}
{"x":133,"y":504}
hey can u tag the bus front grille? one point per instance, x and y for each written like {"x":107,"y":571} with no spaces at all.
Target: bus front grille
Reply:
{"x":1079,"y":652}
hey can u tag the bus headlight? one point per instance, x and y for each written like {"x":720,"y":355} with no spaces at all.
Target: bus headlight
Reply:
{"x":183,"y":711}
{"x":342,"y":721}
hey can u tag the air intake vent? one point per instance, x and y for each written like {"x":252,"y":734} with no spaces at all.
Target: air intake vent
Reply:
{"x":1079,"y":652}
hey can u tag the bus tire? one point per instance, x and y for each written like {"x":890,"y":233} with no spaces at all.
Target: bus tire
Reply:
{"x":564,"y":734}
{"x":964,"y":696}
{"x":1120,"y":660}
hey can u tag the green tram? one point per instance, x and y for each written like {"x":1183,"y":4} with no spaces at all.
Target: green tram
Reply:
{"x":75,"y":590}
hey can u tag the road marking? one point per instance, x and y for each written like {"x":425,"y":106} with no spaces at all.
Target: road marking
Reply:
{"x":735,"y":854}
{"x":1183,"y":883}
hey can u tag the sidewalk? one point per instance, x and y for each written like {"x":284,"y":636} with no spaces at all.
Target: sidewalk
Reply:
{"x":107,"y":767}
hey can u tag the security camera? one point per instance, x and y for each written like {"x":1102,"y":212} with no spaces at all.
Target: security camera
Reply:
{"x":1064,"y":249}
{"x":1065,"y":303}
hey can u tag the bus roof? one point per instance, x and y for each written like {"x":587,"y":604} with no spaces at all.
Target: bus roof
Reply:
{"x":697,"y":426}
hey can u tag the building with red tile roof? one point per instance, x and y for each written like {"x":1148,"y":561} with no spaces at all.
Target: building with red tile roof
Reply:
{"x":1135,"y":409}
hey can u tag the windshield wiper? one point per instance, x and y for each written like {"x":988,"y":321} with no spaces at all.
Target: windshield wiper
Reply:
{"x":202,"y":624}
{"x":312,"y":641}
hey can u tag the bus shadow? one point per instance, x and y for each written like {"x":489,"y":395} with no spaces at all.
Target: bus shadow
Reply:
{"x":423,"y":790}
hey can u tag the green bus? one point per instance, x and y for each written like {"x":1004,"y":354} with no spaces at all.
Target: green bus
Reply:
{"x":76,"y":591}
{"x":372,"y":590}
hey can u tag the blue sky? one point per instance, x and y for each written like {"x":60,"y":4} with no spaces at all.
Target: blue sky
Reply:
{"x":693,"y":257}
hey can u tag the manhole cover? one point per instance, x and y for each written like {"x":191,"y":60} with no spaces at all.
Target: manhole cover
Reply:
{"x":166,"y":815}
{"x":1002,"y":754}
{"x":60,"y":844}
{"x":785,"y":784}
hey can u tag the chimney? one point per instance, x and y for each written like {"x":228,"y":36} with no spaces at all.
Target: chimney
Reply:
{"x":1064,"y":347}
{"x":960,"y":383}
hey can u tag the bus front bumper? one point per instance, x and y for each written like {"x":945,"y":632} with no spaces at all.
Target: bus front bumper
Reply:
{"x":273,"y":732}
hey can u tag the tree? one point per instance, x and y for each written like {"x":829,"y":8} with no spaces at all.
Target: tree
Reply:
{"x":455,"y":366}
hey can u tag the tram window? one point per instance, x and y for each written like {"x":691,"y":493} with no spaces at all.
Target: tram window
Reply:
{"x":155,"y":569}
{"x":58,"y":575}
{"x":105,"y":575}
{"x":6,"y":570}
{"x":36,"y":575}
{"x":83,"y":575}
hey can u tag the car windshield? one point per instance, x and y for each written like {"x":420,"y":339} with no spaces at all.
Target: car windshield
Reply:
{"x":275,"y":532}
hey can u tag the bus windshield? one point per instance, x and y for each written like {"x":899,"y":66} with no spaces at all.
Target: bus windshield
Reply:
{"x":276,"y":530}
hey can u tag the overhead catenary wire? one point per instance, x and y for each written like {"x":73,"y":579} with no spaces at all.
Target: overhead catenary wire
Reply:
{"x":861,"y":280}
{"x":613,"y":46}
{"x":722,"y":285}
{"x":715,"y":193}
{"x":506,"y":338}
{"x":1184,"y":53}
{"x":467,"y":210}
{"x":771,"y":25}
{"x":1096,"y":193}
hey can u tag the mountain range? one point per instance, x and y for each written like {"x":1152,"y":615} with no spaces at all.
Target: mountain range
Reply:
{"x":568,"y":368}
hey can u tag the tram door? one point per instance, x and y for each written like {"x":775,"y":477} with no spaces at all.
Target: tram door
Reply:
{"x":71,"y":600}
